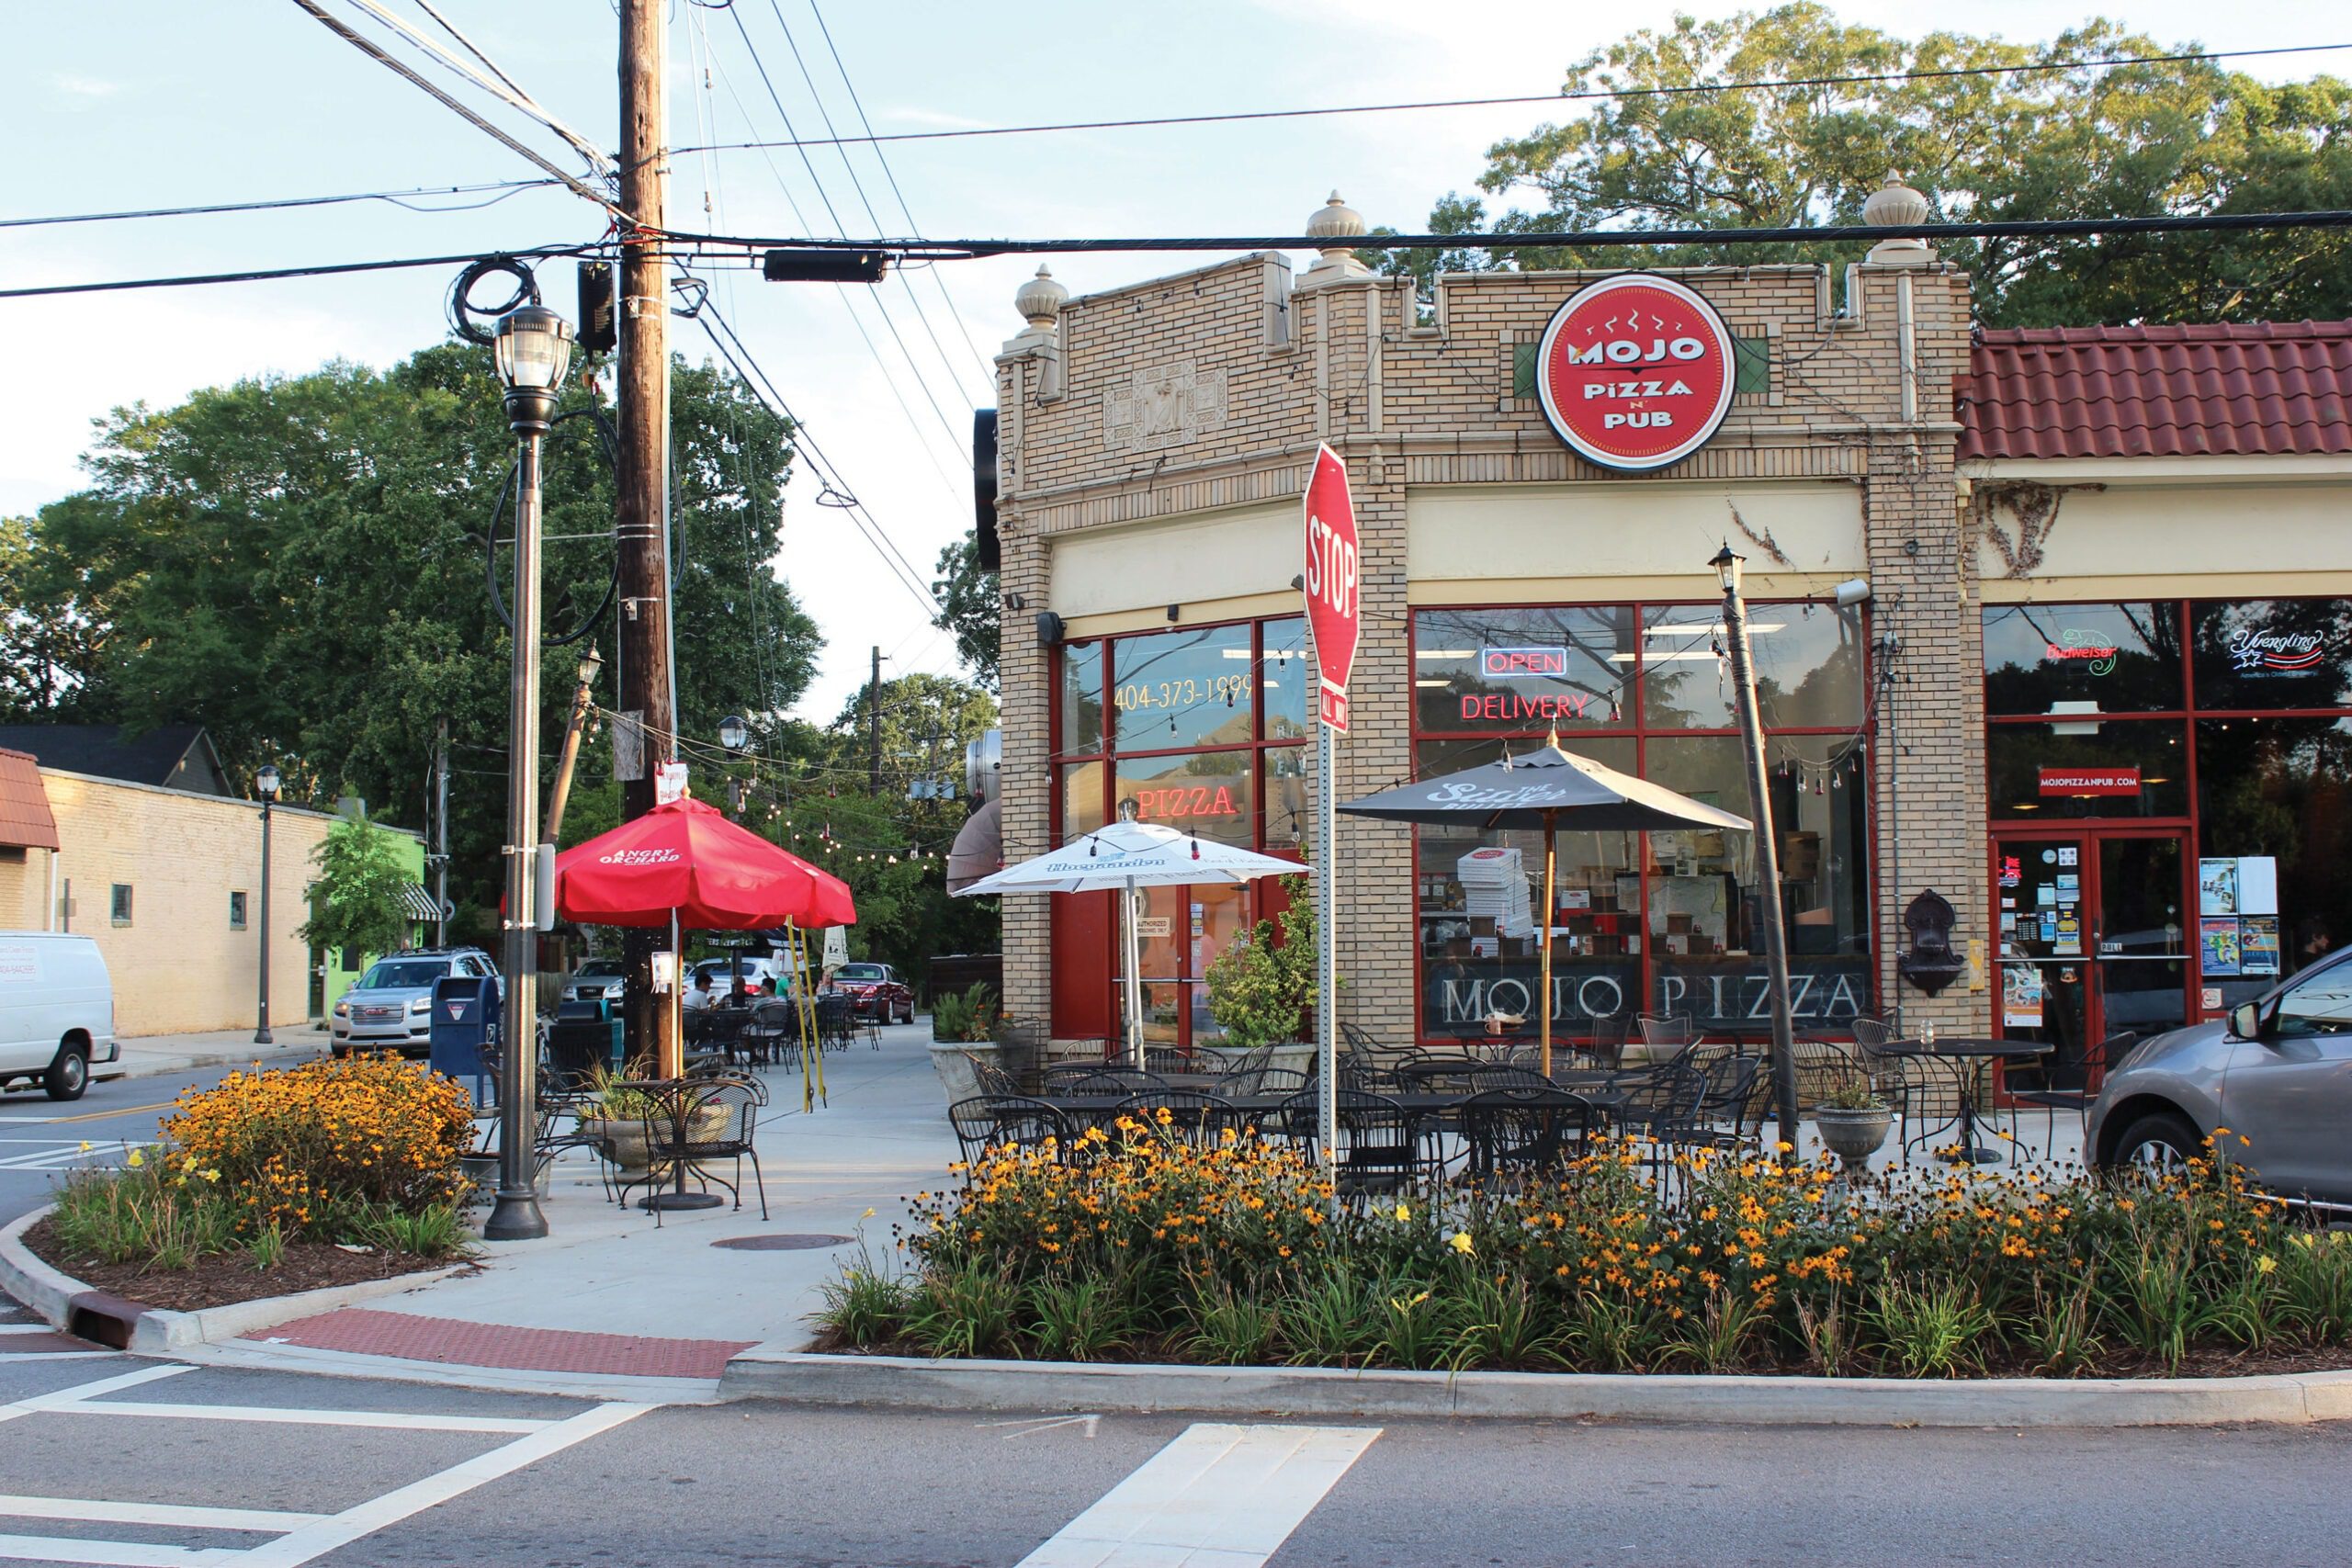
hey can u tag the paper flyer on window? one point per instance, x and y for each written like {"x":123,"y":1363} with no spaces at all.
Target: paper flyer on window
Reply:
{"x":2218,"y":937}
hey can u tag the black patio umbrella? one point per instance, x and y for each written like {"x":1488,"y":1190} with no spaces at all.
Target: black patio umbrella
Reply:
{"x":1550,"y":789}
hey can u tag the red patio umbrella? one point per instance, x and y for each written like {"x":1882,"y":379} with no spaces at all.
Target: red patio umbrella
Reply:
{"x":685,"y":862}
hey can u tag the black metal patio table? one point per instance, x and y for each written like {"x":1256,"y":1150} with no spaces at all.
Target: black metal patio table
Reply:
{"x":1442,"y":1109}
{"x":1960,"y":1051}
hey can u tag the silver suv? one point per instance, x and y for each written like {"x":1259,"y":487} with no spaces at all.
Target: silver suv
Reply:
{"x":2277,"y":1073}
{"x":390,"y":1008}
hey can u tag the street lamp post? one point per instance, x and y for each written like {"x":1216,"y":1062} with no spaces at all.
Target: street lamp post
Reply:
{"x":736,"y":736}
{"x":532,"y":348}
{"x":265,"y":784}
{"x":1768,"y":855}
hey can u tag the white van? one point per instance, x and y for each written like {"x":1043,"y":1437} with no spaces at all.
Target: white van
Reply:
{"x":56,"y":1011}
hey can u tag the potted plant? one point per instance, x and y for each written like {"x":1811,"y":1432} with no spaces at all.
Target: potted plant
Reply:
{"x":615,"y":1113}
{"x":964,"y":1028}
{"x":1852,"y":1120}
{"x":1261,"y":990}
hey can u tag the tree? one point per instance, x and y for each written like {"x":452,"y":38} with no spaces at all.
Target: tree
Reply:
{"x":357,"y":904}
{"x":299,"y":563}
{"x":967,"y":608}
{"x":2081,"y":140}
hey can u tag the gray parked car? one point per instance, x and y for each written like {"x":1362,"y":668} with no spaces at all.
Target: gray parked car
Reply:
{"x":2277,"y":1073}
{"x":390,"y":1006}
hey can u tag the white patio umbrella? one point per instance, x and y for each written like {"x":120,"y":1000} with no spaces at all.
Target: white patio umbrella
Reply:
{"x":1130,"y":856}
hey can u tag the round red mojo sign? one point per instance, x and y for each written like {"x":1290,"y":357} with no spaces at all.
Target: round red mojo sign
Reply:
{"x":1635,"y":372}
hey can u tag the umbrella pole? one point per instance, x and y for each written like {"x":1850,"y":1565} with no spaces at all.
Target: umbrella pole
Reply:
{"x":1131,"y":937}
{"x":1543,"y":927}
{"x":819,"y":1068}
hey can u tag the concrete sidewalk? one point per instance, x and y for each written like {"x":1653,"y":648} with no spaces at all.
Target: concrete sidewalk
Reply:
{"x":612,"y":1302}
{"x":155,"y":1056}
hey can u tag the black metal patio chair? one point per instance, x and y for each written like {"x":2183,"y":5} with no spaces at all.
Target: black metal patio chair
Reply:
{"x":989,"y":1122}
{"x":1382,"y":1148}
{"x":1195,"y":1116}
{"x":1510,"y":1136}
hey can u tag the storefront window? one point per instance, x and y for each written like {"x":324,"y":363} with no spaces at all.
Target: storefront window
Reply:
{"x":2282,"y":788}
{"x":1808,"y":667}
{"x":1285,"y":675}
{"x":2273,"y":653}
{"x":1184,"y":749}
{"x":2078,"y":767}
{"x":1082,"y":809}
{"x":1175,"y":689}
{"x":1203,"y":792}
{"x":1081,"y":698}
{"x":1478,"y":931}
{"x":1501,"y":670}
{"x":2118,"y":658}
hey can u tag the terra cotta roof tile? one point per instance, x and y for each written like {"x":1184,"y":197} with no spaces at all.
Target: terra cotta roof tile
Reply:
{"x":2257,"y":388}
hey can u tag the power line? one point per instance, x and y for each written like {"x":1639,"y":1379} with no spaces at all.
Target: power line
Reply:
{"x":373,"y":52}
{"x":859,"y":186}
{"x":921,"y":385}
{"x":504,"y":89}
{"x":2040,"y":67}
{"x":1517,"y":240}
{"x":322,"y":270}
{"x":272,"y":204}
{"x":764,"y":388}
{"x":987,"y":369}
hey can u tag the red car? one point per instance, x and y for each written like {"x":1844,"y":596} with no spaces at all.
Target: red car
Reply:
{"x":875,"y":991}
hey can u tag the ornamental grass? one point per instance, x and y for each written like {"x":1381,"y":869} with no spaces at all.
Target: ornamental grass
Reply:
{"x":1136,"y":1245}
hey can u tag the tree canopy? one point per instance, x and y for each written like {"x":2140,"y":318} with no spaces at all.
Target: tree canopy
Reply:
{"x":299,"y":563}
{"x":2080,"y":140}
{"x":967,"y":593}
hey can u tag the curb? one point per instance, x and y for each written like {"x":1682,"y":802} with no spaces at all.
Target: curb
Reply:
{"x":123,"y":1070}
{"x":804,"y":1378}
{"x":110,"y":1320}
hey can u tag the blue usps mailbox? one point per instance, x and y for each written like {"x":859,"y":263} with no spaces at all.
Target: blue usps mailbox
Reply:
{"x":465,"y":1019}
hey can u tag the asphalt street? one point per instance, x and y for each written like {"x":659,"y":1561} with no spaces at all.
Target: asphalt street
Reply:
{"x":40,"y":1137}
{"x":278,"y":1468}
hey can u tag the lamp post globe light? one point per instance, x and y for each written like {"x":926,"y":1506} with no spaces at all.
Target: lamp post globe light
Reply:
{"x":1768,"y":853}
{"x":733,"y":733}
{"x":533,"y":347}
{"x":265,"y":785}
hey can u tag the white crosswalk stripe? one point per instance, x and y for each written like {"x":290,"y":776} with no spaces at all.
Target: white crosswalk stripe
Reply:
{"x":1219,"y":1497}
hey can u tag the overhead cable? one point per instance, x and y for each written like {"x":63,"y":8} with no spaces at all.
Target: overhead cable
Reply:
{"x":373,"y":52}
{"x":272,"y":204}
{"x":1866,"y":79}
{"x":323,"y":270}
{"x":1508,"y":239}
{"x":502,"y":88}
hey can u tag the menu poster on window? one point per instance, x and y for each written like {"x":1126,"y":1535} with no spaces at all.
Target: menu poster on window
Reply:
{"x":2021,"y":995}
{"x":2218,"y":940}
{"x":2257,"y":885}
{"x":2217,"y":887}
{"x":2258,"y":944}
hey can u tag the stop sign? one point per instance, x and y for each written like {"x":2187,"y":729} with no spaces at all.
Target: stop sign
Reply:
{"x":1331,"y":598}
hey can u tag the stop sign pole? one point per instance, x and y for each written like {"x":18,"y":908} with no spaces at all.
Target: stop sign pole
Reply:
{"x":1330,"y":585}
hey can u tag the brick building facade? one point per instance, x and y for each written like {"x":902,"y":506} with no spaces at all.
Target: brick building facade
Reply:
{"x":1153,"y":443}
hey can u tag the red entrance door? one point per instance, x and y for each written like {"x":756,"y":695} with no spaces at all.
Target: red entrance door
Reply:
{"x":2093,"y":933}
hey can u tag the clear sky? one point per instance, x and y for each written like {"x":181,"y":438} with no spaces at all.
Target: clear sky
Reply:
{"x":136,"y":103}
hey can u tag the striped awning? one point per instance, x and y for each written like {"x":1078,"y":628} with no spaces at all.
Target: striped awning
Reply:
{"x":417,"y":903}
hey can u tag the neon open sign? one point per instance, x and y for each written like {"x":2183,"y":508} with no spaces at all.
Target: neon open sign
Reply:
{"x":1515,"y":663}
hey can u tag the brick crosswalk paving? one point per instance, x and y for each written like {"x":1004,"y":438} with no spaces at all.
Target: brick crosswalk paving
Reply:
{"x":455,"y":1342}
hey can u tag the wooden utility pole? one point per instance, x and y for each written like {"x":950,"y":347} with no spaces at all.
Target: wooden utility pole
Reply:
{"x":873,"y":727}
{"x":642,"y":388}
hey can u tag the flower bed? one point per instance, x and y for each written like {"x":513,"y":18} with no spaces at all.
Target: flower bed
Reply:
{"x":1136,"y":1246}
{"x":322,"y":1174}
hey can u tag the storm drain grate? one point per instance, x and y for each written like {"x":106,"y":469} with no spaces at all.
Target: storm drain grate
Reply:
{"x":780,"y":1243}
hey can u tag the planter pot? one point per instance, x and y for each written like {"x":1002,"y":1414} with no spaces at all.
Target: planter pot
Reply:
{"x":1852,"y":1135}
{"x":626,"y":1138}
{"x":952,"y":1060}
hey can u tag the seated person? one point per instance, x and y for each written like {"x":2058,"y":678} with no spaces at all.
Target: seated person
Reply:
{"x":697,"y":995}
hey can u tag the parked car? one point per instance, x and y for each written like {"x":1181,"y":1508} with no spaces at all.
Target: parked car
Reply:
{"x":875,"y":991}
{"x":596,"y":979}
{"x":768,"y":976}
{"x":56,"y":1012}
{"x":2277,"y":1072}
{"x":390,"y":1008}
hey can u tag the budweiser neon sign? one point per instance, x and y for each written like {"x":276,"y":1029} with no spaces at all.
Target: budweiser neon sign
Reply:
{"x":2083,"y":647}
